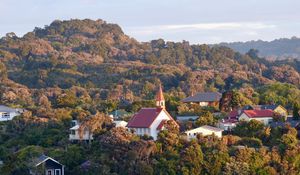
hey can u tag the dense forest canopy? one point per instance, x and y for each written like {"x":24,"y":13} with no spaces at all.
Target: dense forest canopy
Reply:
{"x":80,"y":68}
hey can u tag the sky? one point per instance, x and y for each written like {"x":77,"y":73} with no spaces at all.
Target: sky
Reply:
{"x":196,"y":21}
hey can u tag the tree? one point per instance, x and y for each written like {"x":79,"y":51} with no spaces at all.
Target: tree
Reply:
{"x":3,"y":71}
{"x":93,"y":123}
{"x":253,"y":53}
{"x":296,"y":111}
{"x":191,"y":159}
{"x":253,"y":128}
{"x":288,"y":141}
{"x":67,"y":99}
{"x":206,"y":118}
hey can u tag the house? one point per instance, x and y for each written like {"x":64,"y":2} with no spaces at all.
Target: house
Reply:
{"x":7,"y":113}
{"x":150,"y":121}
{"x":204,"y":130}
{"x":45,"y":165}
{"x":204,"y":99}
{"x":275,"y":108}
{"x":265,"y":116}
{"x":74,"y":133}
{"x":230,"y":122}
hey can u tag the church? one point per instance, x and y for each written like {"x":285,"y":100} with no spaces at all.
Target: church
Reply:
{"x":150,"y":121}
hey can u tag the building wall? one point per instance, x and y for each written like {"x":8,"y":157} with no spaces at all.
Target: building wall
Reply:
{"x":7,"y":116}
{"x":281,"y":111}
{"x":153,"y":128}
{"x":86,"y":136}
{"x":264,"y":120}
{"x":227,"y":126}
{"x":193,"y":133}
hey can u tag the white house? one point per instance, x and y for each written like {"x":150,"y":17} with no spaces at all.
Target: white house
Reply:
{"x":265,"y":116}
{"x":7,"y":113}
{"x":150,"y":121}
{"x":74,"y":132}
{"x":204,"y":130}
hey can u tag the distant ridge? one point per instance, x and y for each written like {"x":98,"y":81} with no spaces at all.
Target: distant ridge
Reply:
{"x":277,"y":49}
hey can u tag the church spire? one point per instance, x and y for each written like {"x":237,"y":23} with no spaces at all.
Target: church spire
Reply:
{"x":160,"y":100}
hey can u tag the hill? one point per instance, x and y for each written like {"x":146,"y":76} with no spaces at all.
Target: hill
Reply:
{"x":98,"y":57}
{"x":84,"y":69}
{"x":277,"y":49}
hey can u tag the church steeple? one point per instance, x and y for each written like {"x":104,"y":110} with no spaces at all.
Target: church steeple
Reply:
{"x":160,"y":100}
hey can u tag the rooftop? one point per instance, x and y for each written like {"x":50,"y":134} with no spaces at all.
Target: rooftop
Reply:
{"x":207,"y":127}
{"x":144,"y":118}
{"x":259,"y":113}
{"x":4,"y":108}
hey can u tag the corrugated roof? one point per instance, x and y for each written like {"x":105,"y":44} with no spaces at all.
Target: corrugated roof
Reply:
{"x":258,"y":113}
{"x":42,"y":159}
{"x":207,"y":127}
{"x":144,"y":118}
{"x":233,"y":114}
{"x":204,"y":97}
{"x":7,"y":109}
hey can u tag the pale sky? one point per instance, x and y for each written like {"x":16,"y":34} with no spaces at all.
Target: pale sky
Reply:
{"x":197,"y":21}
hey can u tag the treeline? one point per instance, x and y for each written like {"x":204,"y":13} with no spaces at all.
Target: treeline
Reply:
{"x":253,"y":149}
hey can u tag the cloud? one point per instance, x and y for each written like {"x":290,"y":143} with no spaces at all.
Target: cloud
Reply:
{"x":203,"y":32}
{"x":204,"y":26}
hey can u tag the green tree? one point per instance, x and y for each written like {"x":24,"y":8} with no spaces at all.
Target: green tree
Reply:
{"x":206,"y":118}
{"x":296,"y":111}
{"x":191,"y":159}
{"x":67,"y":99}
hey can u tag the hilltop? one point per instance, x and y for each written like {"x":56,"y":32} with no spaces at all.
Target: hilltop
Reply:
{"x":98,"y":56}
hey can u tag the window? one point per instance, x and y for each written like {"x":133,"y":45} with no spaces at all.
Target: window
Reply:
{"x":57,"y":172}
{"x":72,"y":132}
{"x":5,"y":115}
{"x":49,"y":172}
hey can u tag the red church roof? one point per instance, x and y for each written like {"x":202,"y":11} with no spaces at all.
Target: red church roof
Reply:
{"x":144,"y":118}
{"x":259,"y":113}
{"x":160,"y":95}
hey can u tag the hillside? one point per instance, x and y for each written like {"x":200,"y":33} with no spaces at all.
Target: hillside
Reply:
{"x":100,"y":58}
{"x":276,"y":49}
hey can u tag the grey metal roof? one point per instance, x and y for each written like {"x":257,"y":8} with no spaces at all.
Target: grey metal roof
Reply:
{"x":204,"y":97}
{"x":43,"y":158}
{"x":7,"y":109}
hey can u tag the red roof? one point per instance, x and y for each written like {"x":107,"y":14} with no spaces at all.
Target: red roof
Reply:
{"x":144,"y":118}
{"x":160,"y":126}
{"x":160,"y":95}
{"x":233,"y":114}
{"x":259,"y":113}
